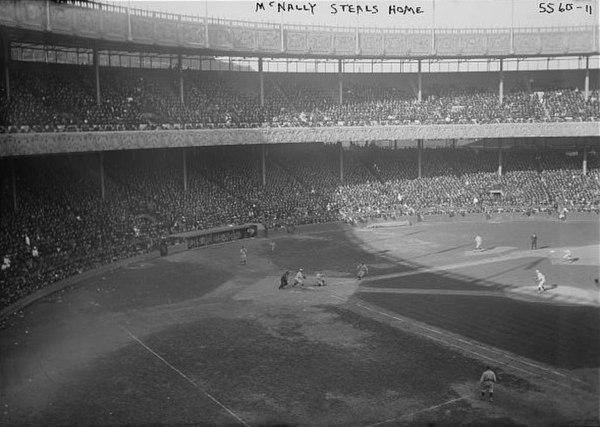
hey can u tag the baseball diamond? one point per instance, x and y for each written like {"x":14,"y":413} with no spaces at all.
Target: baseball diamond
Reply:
{"x":230,"y":213}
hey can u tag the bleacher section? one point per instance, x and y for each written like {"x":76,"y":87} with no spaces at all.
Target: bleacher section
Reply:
{"x":54,"y":98}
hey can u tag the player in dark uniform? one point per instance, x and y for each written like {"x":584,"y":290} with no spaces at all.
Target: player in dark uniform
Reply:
{"x":534,"y":241}
{"x":284,"y":280}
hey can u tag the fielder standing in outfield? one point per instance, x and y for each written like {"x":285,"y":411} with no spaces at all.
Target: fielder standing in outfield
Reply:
{"x":478,"y":242}
{"x":243,"y":255}
{"x":487,"y":380}
{"x":541,"y":281}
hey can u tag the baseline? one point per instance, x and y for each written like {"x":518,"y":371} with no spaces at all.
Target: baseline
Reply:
{"x":185,"y":377}
{"x":472,"y":348}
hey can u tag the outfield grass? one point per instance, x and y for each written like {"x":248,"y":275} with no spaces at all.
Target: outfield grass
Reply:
{"x":562,"y":336}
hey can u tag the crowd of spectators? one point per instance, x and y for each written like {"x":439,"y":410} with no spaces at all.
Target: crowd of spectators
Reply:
{"x":62,"y":225}
{"x":51,"y":98}
{"x":467,"y":181}
{"x":471,"y":106}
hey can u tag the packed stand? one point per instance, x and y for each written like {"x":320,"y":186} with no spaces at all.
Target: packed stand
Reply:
{"x":62,"y":227}
{"x":467,"y":181}
{"x":57,"y":98}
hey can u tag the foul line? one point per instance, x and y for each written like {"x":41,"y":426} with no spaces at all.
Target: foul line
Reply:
{"x":184,"y":376}
{"x":489,"y":349}
{"x":412,"y":414}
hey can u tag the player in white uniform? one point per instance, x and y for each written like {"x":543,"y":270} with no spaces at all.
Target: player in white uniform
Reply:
{"x":568,"y":256}
{"x":541,"y":280}
{"x":299,"y":278}
{"x":487,"y":380}
{"x":362,"y":271}
{"x":478,"y":242}
{"x":243,"y":255}
{"x":320,"y":279}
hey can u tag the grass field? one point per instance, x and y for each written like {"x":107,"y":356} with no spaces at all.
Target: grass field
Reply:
{"x":195,"y":338}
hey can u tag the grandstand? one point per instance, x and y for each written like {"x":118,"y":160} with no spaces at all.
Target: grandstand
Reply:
{"x":122,"y":129}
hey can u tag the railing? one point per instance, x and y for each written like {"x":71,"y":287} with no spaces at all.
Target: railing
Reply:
{"x":105,"y":7}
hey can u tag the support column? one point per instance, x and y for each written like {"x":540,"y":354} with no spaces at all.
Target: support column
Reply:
{"x":340,"y":83}
{"x":433,"y":28}
{"x":97,"y":75}
{"x":180,"y":66}
{"x":500,"y":158}
{"x":501,"y":83}
{"x":129,"y":37}
{"x":584,"y":166}
{"x":13,"y":168}
{"x":419,"y":149}
{"x":206,"y":34}
{"x":341,"y":162}
{"x":48,"y":25}
{"x":419,"y":83}
{"x":261,"y":82}
{"x":586,"y":83}
{"x":512,"y":28}
{"x":7,"y":68}
{"x":102,"y":187}
{"x":263,"y":156}
{"x":185,"y":174}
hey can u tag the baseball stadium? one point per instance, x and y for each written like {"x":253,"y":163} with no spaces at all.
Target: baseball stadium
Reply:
{"x":220,"y":222}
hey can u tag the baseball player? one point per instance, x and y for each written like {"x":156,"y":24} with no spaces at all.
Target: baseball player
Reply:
{"x":541,"y":281}
{"x":362,"y":271}
{"x":320,"y":279}
{"x":568,"y":256}
{"x":284,"y":280}
{"x":299,"y":278}
{"x":243,"y":255}
{"x":478,"y":242}
{"x":487,"y":380}
{"x":533,"y":241}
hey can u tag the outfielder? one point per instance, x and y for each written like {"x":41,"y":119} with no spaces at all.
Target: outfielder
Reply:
{"x":487,"y":380}
{"x":243,"y":255}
